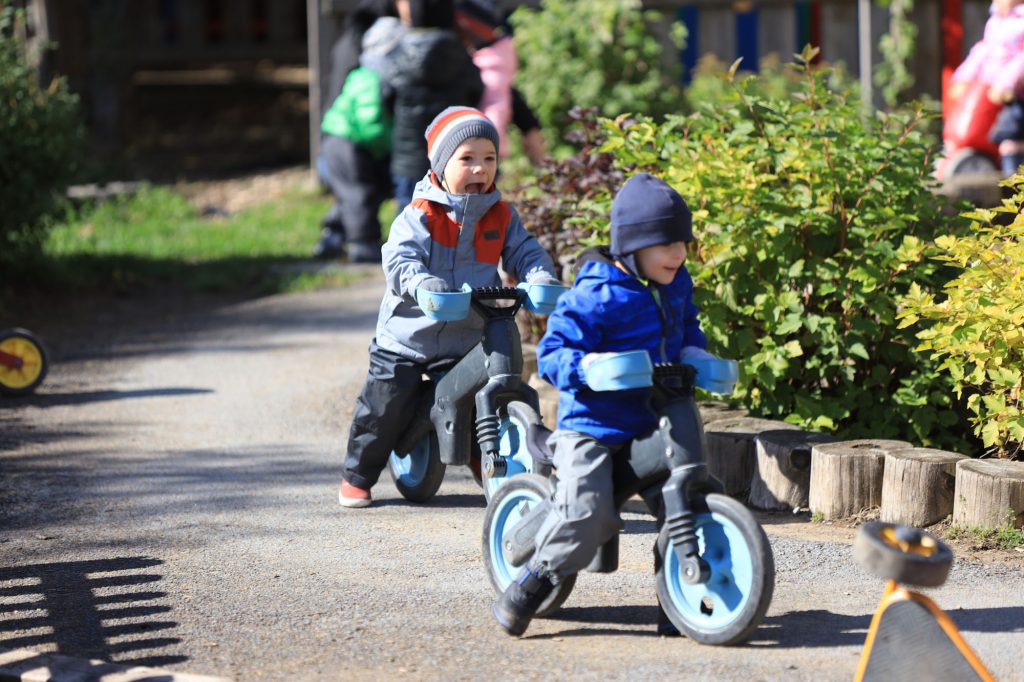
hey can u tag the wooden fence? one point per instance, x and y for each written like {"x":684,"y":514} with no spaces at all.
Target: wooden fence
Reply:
{"x":179,"y":70}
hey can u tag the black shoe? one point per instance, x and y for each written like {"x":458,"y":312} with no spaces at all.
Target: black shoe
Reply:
{"x":329,"y":246}
{"x":517,"y":606}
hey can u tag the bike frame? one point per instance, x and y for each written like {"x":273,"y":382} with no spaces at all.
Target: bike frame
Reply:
{"x":489,"y":376}
{"x":672,"y":455}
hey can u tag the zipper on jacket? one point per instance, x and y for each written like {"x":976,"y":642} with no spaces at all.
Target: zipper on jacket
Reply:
{"x":656,"y":295}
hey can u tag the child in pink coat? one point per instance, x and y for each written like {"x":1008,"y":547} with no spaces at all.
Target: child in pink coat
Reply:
{"x":997,"y":61}
{"x":494,"y":53}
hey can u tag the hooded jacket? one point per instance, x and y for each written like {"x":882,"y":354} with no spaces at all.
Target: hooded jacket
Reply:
{"x":997,"y":60}
{"x":610,"y":311}
{"x":459,"y":238}
{"x":428,"y":72}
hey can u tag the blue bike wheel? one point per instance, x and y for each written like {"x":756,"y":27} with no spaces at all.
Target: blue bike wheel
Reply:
{"x":510,"y":505}
{"x":512,"y":447}
{"x":728,"y":607}
{"x":418,"y":473}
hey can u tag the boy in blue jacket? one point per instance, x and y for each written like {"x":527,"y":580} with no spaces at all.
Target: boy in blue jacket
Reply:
{"x":455,"y":231}
{"x":635,"y":295}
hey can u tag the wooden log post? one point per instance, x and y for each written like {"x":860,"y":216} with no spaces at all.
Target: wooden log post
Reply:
{"x":989,"y":493}
{"x":731,"y":450}
{"x":782,"y":474}
{"x":917,"y":486}
{"x":713,"y":410}
{"x":846,"y":477}
{"x":548,"y":396}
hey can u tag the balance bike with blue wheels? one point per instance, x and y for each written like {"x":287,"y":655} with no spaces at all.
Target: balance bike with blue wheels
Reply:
{"x":475,"y":410}
{"x":715,"y":570}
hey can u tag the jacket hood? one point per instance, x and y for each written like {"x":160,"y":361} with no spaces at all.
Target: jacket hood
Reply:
{"x":467,"y":207}
{"x":428,"y":57}
{"x":599,"y":263}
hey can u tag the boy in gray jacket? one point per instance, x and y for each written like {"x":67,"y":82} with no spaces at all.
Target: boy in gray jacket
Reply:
{"x":456,"y":230}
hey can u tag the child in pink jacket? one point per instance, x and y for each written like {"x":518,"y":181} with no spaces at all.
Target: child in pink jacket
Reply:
{"x":997,"y":61}
{"x":494,"y":53}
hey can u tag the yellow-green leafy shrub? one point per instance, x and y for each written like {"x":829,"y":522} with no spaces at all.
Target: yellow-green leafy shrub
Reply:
{"x":803,"y":209}
{"x":976,"y":328}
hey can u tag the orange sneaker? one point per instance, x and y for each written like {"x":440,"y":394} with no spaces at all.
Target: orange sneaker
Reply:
{"x":351,"y":496}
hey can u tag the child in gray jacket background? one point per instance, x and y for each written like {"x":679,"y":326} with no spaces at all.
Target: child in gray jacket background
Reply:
{"x":455,"y":231}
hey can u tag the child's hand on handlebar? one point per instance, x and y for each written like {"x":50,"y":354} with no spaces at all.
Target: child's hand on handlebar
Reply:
{"x":1000,"y":96}
{"x":590,"y":358}
{"x":434,"y":285}
{"x":542,"y":277}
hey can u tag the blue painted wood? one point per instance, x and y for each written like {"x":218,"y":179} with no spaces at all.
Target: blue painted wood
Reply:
{"x":746,"y":39}
{"x":690,"y":17}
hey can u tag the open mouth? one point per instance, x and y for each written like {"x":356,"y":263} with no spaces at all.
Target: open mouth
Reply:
{"x":474,"y":188}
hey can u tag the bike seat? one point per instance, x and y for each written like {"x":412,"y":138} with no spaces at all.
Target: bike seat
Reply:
{"x":537,"y":443}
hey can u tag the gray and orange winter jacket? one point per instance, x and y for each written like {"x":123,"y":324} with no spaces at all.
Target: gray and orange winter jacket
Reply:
{"x":460,"y":238}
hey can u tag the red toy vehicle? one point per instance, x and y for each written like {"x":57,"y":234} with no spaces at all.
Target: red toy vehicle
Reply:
{"x":968,"y":120}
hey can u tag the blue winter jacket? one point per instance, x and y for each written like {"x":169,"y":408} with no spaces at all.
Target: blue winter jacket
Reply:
{"x":607,"y":311}
{"x":460,"y":238}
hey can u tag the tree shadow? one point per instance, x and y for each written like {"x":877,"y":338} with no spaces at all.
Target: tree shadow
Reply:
{"x":52,"y":399}
{"x":103,"y":608}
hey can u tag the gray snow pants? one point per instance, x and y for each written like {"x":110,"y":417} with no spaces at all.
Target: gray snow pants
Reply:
{"x":583,"y":515}
{"x":360,"y":184}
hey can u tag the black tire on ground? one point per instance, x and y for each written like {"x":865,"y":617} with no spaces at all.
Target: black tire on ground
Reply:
{"x":925,"y":563}
{"x":31,"y":340}
{"x":505,"y":508}
{"x":729,"y":607}
{"x":418,"y":475}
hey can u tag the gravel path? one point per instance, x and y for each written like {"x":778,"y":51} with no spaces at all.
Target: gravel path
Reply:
{"x":168,"y":499}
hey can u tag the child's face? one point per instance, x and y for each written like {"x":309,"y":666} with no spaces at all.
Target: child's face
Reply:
{"x":1003,"y":7}
{"x":472,"y":168}
{"x":661,"y":263}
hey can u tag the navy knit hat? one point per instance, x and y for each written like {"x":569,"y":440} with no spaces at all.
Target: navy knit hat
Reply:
{"x":452,"y":127}
{"x":647,"y":212}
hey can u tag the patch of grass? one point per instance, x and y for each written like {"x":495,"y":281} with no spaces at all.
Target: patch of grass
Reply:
{"x":157,"y":239}
{"x":817,"y":517}
{"x":1005,"y":536}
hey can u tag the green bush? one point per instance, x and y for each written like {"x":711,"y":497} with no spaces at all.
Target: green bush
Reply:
{"x":599,"y":53}
{"x":805,"y":211}
{"x":977,"y":329}
{"x":40,"y":139}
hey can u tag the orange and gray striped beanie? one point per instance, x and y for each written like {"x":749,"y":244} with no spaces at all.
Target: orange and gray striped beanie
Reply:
{"x":452,"y":127}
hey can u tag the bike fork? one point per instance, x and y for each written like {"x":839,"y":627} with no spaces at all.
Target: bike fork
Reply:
{"x":688,"y":471}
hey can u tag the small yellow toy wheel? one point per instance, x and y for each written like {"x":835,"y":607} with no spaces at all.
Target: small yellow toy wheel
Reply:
{"x":902,"y":553}
{"x":23,"y":362}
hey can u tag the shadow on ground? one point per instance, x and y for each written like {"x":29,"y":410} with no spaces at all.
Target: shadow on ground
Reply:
{"x":110,"y":609}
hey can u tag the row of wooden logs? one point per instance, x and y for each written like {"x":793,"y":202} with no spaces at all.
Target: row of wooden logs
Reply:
{"x":773,"y":465}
